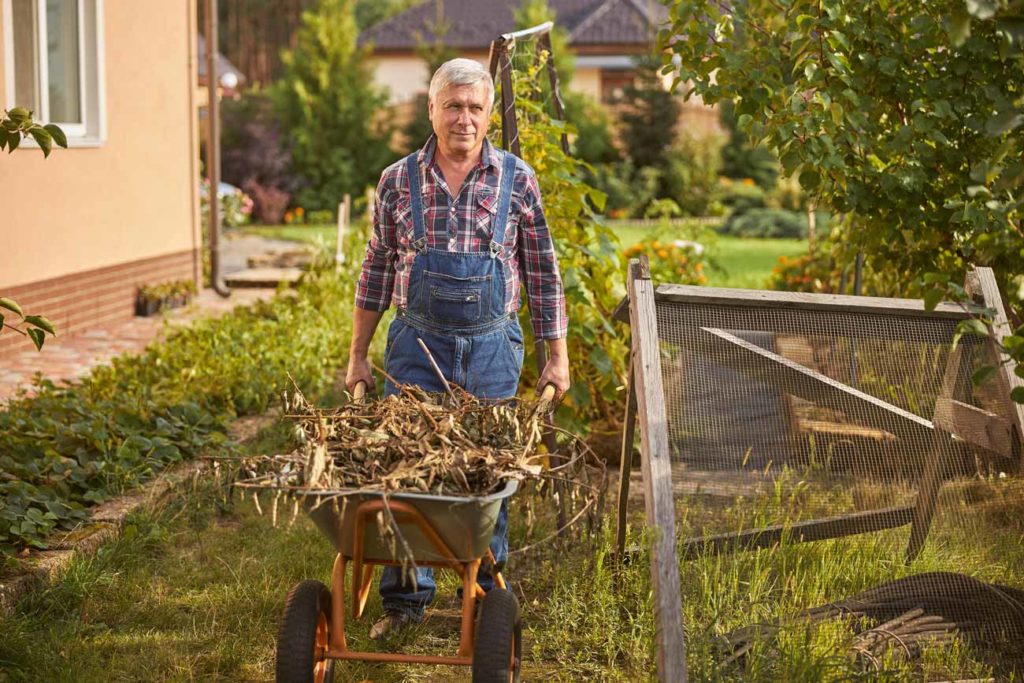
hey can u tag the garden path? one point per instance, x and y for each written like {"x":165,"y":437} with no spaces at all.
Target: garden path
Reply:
{"x":72,"y":358}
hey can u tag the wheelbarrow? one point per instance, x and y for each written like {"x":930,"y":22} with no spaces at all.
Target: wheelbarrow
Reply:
{"x":447,"y":532}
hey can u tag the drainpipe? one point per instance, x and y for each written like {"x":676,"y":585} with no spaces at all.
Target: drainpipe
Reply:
{"x":213,"y":148}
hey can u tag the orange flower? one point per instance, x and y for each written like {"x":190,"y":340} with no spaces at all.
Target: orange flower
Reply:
{"x":299,"y":211}
{"x":749,"y":182}
{"x":663,"y":253}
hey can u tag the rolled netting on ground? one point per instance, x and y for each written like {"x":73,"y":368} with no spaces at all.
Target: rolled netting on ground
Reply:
{"x":846,"y":500}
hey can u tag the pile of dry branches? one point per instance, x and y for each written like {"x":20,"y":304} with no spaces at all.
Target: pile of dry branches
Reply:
{"x":913,"y":613}
{"x":413,"y":442}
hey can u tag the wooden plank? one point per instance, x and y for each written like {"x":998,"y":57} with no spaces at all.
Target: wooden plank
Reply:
{"x":985,"y":282}
{"x":799,"y":532}
{"x":657,"y":471}
{"x":625,"y":461}
{"x":837,"y":303}
{"x":975,"y":426}
{"x":751,"y":360}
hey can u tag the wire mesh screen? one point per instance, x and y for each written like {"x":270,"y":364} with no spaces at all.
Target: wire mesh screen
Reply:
{"x":800,"y":443}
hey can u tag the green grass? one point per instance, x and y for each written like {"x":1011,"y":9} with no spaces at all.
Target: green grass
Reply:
{"x":193,"y":591}
{"x":733,"y":261}
{"x":739,"y":262}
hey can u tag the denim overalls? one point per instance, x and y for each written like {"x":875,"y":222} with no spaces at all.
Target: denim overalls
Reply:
{"x":457,"y":306}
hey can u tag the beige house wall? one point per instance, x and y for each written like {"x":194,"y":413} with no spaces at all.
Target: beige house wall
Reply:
{"x":131,"y":197}
{"x":587,"y":81}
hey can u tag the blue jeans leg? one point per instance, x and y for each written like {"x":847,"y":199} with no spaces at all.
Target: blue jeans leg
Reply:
{"x":397,"y":594}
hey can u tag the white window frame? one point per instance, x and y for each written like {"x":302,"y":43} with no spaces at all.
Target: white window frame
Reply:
{"x":92,"y":130}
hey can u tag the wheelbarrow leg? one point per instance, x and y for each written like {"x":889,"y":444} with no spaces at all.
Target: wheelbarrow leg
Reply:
{"x":469,"y":588}
{"x":364,"y":582}
{"x":337,"y":638}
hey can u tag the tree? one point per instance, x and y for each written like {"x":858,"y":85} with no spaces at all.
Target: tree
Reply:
{"x":740,"y":159}
{"x":898,"y":117}
{"x":650,"y":119}
{"x":906,"y":116}
{"x":331,"y":109}
{"x":435,"y":52}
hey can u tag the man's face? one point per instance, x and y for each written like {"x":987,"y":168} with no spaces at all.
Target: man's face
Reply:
{"x":460,"y":115}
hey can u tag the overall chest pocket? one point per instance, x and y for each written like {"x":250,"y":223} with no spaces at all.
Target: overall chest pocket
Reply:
{"x":460,"y":300}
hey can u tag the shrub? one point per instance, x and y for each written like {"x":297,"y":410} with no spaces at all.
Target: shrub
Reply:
{"x":691,"y":174}
{"x":741,"y":196}
{"x":677,"y":262}
{"x":236,"y":207}
{"x":593,"y":141}
{"x":254,"y":147}
{"x":805,"y":273}
{"x":270,"y":202}
{"x":75,"y":445}
{"x":320,"y":217}
{"x":766,"y":223}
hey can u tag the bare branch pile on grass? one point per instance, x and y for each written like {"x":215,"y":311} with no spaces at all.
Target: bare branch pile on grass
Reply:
{"x":413,"y":442}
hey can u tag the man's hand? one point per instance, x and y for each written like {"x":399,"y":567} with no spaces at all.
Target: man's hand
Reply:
{"x":359,"y":370}
{"x":556,"y":371}
{"x":364,"y":324}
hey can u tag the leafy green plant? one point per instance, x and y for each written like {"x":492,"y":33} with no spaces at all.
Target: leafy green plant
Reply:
{"x":330,"y":108}
{"x":67,"y":447}
{"x":766,"y":223}
{"x":35,"y":327}
{"x":17,"y":124}
{"x":586,"y":254}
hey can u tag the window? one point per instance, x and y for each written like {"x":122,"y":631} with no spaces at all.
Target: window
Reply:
{"x":53,"y":55}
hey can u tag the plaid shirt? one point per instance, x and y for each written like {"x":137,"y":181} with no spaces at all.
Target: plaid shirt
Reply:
{"x":463,"y":225}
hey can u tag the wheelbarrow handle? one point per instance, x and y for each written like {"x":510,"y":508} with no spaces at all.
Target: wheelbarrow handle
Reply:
{"x":359,"y":390}
{"x":548,"y":395}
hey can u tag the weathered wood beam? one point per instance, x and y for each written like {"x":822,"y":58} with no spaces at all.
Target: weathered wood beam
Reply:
{"x":670,"y":644}
{"x":976,"y":426}
{"x":838,"y":303}
{"x":798,"y":532}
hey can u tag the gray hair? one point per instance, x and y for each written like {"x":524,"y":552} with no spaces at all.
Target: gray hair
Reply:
{"x":461,"y":71}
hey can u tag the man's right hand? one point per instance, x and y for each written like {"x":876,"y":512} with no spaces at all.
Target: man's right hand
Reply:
{"x":359,"y":370}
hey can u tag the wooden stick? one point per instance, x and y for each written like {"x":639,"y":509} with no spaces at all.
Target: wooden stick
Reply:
{"x":437,"y":371}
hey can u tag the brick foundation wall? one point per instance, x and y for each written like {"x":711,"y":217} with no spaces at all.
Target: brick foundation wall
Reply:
{"x":93,"y":298}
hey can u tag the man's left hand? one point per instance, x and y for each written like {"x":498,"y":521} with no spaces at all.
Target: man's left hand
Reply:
{"x":556,"y":371}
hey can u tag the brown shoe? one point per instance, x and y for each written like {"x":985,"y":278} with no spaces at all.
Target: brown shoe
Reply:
{"x":390,"y":624}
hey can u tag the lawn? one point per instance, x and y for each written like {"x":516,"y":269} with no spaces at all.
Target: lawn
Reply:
{"x":734,"y":261}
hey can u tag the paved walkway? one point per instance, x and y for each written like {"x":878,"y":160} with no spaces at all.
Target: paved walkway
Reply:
{"x":68,"y":359}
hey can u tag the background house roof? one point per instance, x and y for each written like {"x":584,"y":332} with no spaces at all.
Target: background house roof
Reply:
{"x":473,"y":24}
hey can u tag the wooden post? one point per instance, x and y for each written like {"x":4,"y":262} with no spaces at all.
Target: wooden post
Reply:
{"x":1006,"y":378}
{"x":343,"y":216}
{"x":213,"y":147}
{"x":657,"y":472}
{"x":628,"y":432}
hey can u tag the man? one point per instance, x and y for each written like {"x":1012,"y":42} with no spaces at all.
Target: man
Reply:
{"x":458,"y":226}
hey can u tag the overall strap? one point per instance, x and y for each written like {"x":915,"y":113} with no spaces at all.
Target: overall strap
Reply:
{"x":508,"y":172}
{"x":419,"y":230}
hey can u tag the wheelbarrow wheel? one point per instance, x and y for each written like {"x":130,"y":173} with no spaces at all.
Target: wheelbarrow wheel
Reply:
{"x":304,"y":635}
{"x":497,"y":650}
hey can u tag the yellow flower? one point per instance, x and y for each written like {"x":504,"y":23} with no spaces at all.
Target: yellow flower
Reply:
{"x":656,"y":244}
{"x":749,"y":182}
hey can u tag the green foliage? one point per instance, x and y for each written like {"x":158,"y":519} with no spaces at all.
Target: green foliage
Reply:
{"x":650,"y":118}
{"x":433,"y":50}
{"x":535,"y":12}
{"x":372,"y":12}
{"x":740,"y":159}
{"x":586,"y":254}
{"x":767,"y":223}
{"x":593,"y":141}
{"x":67,"y":447}
{"x":17,"y":124}
{"x":909,"y":117}
{"x":743,"y":196}
{"x":331,"y":108}
{"x":35,"y":327}
{"x":690,"y":177}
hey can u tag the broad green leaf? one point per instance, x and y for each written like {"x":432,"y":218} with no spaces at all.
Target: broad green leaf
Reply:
{"x":42,"y":139}
{"x":13,"y":140}
{"x":1004,"y":121}
{"x":38,"y":337}
{"x":11,"y":305}
{"x":57,"y":134}
{"x":40,"y":322}
{"x":1017,"y":395}
{"x":959,"y":26}
{"x":932,"y":297}
{"x":19,"y":114}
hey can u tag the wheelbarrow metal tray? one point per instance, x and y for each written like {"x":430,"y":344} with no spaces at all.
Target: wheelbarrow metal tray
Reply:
{"x":464,"y":523}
